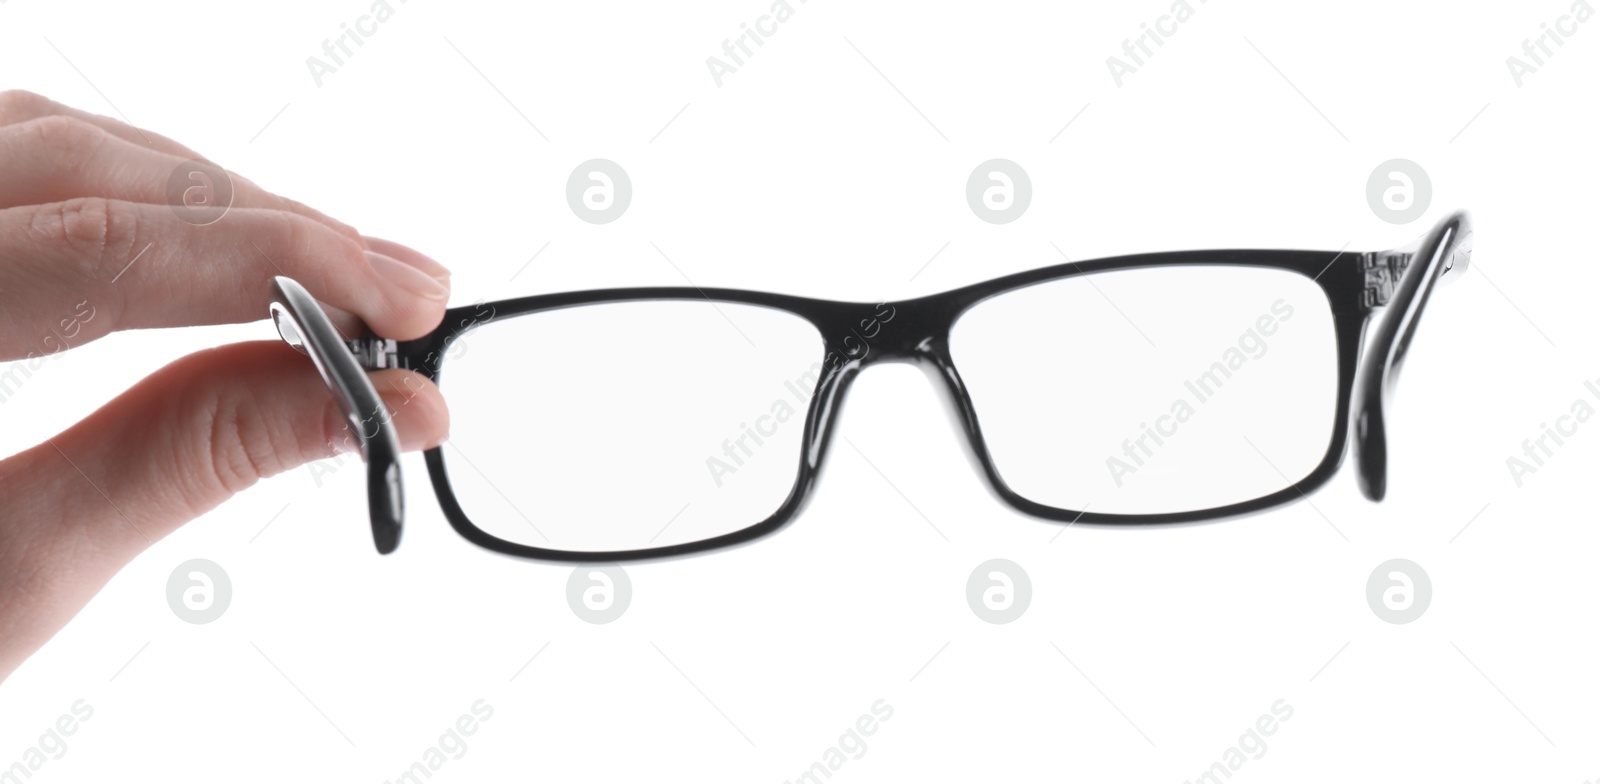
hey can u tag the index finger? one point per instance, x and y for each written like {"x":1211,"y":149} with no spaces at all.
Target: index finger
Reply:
{"x":19,"y":107}
{"x":140,"y":266}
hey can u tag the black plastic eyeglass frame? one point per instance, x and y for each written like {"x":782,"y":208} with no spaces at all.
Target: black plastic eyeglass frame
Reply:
{"x":1397,"y":283}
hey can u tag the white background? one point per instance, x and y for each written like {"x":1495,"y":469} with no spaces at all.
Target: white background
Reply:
{"x":1145,"y":653}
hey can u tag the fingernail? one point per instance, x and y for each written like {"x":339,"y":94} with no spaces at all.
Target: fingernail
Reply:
{"x":412,"y":280}
{"x":410,"y":256}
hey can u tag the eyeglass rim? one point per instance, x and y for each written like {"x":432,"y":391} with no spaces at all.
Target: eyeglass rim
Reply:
{"x":1356,"y":293}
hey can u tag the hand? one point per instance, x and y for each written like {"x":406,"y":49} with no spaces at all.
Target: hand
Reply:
{"x":81,"y":196}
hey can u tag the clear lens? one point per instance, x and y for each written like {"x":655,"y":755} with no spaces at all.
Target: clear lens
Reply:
{"x":1155,"y":390}
{"x":628,"y":425}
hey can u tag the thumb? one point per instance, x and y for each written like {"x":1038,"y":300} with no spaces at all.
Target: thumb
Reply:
{"x":78,"y":507}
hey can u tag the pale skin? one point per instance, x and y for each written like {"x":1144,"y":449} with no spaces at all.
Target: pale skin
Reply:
{"x":80,"y":196}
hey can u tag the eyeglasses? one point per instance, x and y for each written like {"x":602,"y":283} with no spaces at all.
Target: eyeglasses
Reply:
{"x":625,"y":424}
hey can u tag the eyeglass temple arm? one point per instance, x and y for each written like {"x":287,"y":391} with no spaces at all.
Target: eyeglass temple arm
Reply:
{"x":1399,"y":283}
{"x":302,"y":324}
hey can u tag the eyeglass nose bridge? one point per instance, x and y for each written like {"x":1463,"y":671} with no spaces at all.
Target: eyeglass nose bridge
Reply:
{"x":914,"y":332}
{"x":909,"y":331}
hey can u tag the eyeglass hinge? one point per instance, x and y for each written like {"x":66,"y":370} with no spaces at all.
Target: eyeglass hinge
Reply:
{"x":375,"y":353}
{"x":1381,"y":274}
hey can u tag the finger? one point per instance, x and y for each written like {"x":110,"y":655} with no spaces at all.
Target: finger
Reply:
{"x":415,"y":258}
{"x":81,"y":505}
{"x":20,"y":106}
{"x":59,"y":157}
{"x":139,"y":265}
